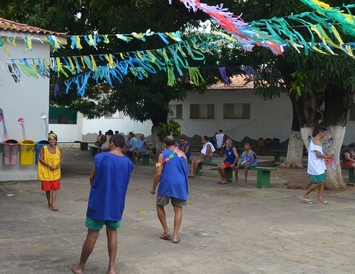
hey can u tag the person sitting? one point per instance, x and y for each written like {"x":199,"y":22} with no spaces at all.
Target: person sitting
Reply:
{"x":348,"y":156}
{"x":132,"y":144}
{"x":206,"y":155}
{"x":230,"y":161}
{"x":142,"y":148}
{"x":185,"y":147}
{"x":108,"y":135}
{"x":249,"y":159}
{"x":98,"y":138}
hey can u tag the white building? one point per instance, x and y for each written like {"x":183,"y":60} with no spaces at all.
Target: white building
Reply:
{"x":22,"y":98}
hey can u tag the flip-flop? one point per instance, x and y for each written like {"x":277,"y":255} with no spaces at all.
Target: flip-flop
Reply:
{"x":223,"y":183}
{"x":165,"y":237}
{"x":308,"y":201}
{"x":324,"y":202}
{"x":178,"y":241}
{"x":218,"y":183}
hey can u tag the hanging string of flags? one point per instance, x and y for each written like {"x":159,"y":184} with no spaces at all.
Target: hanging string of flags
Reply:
{"x":275,"y":34}
{"x":280,"y":34}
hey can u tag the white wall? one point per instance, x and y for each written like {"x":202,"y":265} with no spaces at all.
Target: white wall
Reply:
{"x":26,"y":99}
{"x":268,"y":119}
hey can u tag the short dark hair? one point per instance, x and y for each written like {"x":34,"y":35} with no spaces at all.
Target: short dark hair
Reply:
{"x":319,"y":129}
{"x":205,"y":137}
{"x":169,"y":141}
{"x":110,"y":132}
{"x":182,"y":138}
{"x":352,"y":145}
{"x":118,"y":140}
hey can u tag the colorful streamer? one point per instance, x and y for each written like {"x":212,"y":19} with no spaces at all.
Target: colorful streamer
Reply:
{"x":2,"y":118}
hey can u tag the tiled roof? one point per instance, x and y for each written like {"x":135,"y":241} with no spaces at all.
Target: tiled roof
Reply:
{"x":237,"y":82}
{"x":8,"y":25}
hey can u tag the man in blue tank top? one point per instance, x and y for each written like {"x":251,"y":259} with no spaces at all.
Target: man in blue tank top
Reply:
{"x":230,"y":161}
{"x":171,"y":174}
{"x":109,"y":181}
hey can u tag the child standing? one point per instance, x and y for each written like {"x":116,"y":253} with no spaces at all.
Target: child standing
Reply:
{"x":316,"y":166}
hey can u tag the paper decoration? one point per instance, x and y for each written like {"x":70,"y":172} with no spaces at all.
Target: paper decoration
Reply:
{"x":2,"y":119}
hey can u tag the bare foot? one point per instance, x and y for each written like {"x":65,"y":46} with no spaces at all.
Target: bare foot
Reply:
{"x":305,"y":197}
{"x":191,"y":176}
{"x":77,"y":270}
{"x":113,"y":271}
{"x":235,"y":182}
{"x":53,"y":208}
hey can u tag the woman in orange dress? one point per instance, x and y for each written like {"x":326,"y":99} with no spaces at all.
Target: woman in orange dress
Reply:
{"x":50,"y":161}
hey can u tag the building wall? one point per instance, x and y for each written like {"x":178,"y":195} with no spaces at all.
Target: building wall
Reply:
{"x":26,"y":99}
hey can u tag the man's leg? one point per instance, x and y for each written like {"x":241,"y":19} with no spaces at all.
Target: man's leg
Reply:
{"x":162,"y":219}
{"x":177,"y":222}
{"x":312,"y":188}
{"x":320,"y":192}
{"x":88,"y":247}
{"x":112,"y":249}
{"x":54,"y":198}
{"x":220,"y":171}
{"x":48,"y":196}
{"x":236,"y":170}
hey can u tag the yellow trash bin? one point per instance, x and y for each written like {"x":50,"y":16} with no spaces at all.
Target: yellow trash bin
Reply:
{"x":27,"y":152}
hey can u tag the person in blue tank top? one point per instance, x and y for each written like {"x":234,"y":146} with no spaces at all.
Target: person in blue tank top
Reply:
{"x":185,"y":147}
{"x":171,"y":175}
{"x":230,"y":161}
{"x":109,"y":181}
{"x":141,"y":148}
{"x":249,"y":159}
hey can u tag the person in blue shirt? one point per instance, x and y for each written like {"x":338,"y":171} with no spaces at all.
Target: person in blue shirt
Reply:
{"x":230,"y":161}
{"x":171,"y":175}
{"x":249,"y":159}
{"x":185,"y":147}
{"x":141,"y":148}
{"x":109,"y":181}
{"x":132,"y":144}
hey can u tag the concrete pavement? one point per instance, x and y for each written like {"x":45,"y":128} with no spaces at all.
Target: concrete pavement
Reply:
{"x":225,"y":229}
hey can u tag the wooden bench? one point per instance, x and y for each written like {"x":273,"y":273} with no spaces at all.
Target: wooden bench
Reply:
{"x":351,"y":173}
{"x":93,"y":150}
{"x":262,"y":175}
{"x":145,"y":159}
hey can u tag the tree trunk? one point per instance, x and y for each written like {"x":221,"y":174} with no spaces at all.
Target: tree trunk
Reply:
{"x":161,"y":117}
{"x":295,"y":144}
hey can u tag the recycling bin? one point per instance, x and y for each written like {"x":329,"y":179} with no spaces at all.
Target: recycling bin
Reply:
{"x":84,"y":146}
{"x":10,"y":152}
{"x":276,"y":142}
{"x":27,"y":152}
{"x":39,"y":146}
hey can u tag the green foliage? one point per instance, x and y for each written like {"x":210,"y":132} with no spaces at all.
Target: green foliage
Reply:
{"x":171,"y":128}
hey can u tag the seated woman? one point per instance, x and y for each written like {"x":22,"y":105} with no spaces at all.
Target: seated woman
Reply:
{"x":230,"y":161}
{"x":348,"y":156}
{"x":206,"y":155}
{"x":249,"y":159}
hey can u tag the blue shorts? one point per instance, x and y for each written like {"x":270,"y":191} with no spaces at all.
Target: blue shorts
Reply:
{"x":96,"y":224}
{"x":316,"y":179}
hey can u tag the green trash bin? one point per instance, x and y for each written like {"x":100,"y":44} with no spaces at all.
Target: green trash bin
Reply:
{"x":84,"y":146}
{"x":145,"y":159}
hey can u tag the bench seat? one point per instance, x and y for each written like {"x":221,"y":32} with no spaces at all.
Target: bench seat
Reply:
{"x":93,"y":150}
{"x":351,"y":173}
{"x":262,"y":177}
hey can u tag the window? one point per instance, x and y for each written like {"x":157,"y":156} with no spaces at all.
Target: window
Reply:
{"x":176,"y":111}
{"x":116,"y":115}
{"x":202,"y":111}
{"x":236,"y":111}
{"x":352,"y":113}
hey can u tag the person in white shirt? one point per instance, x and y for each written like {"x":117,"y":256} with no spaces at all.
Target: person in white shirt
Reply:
{"x":206,"y":156}
{"x":219,"y":142}
{"x":316,"y":166}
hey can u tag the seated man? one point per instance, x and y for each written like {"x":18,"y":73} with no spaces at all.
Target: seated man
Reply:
{"x":230,"y":161}
{"x":249,"y":159}
{"x":142,"y":148}
{"x":98,"y":138}
{"x":185,"y":147}
{"x":132,"y":144}
{"x":206,"y":155}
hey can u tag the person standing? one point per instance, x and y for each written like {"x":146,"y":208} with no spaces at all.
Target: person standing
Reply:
{"x":316,"y":165}
{"x":98,"y":138}
{"x":249,"y":159}
{"x":132,"y":144}
{"x":206,"y":155}
{"x":171,"y":175}
{"x":109,"y":180}
{"x":219,"y":141}
{"x":49,"y":164}
{"x":230,"y":161}
{"x":185,"y":147}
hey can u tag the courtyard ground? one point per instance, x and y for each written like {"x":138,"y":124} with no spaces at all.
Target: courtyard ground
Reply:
{"x":225,"y":229}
